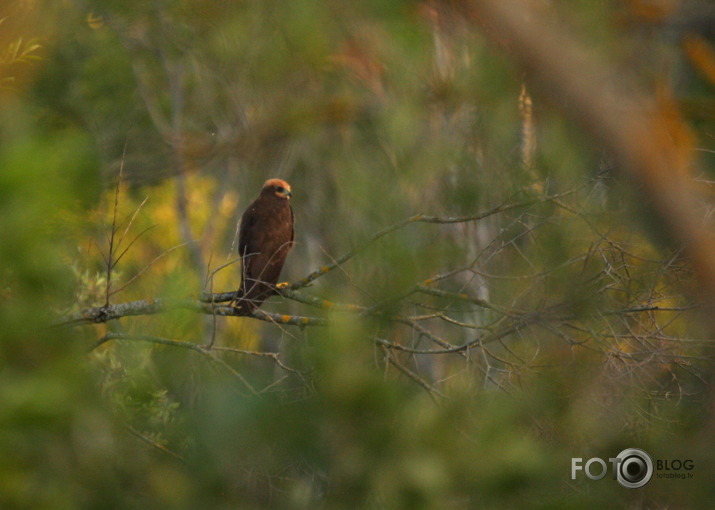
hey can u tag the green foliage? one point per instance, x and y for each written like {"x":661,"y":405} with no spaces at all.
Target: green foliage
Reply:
{"x":464,"y":362}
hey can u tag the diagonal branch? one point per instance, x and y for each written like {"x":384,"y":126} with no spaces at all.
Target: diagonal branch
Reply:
{"x":640,"y":140}
{"x":421,"y":218}
{"x":431,"y":390}
{"x":184,"y":345}
{"x":134,"y":278}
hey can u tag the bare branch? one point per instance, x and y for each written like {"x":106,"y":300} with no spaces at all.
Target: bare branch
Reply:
{"x":129,"y":225}
{"x":155,"y":306}
{"x":640,"y":140}
{"x":465,"y":297}
{"x":140,"y":234}
{"x":110,"y":256}
{"x":133,"y":278}
{"x":154,"y":444}
{"x":421,"y":218}
{"x":259,"y":354}
{"x":184,"y":345}
{"x":431,"y":391}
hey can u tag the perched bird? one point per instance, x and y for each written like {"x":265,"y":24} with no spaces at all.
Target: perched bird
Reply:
{"x":265,"y":239}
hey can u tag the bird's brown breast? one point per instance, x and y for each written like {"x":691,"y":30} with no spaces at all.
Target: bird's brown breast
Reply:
{"x":266,"y":238}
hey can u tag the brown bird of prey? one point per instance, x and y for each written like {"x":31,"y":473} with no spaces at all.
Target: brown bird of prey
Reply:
{"x":264,"y":241}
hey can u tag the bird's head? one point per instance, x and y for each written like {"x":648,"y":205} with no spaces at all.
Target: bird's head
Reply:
{"x":277,"y":187}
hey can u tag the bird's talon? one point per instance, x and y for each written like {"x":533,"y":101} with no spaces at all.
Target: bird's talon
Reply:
{"x":282,"y":285}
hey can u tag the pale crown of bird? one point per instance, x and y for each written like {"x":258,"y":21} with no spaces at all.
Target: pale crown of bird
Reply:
{"x":279,"y":187}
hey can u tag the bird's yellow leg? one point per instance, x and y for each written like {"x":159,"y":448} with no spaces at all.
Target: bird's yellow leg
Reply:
{"x":282,"y":285}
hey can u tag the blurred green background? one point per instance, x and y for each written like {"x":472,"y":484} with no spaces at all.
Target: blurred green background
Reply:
{"x":570,"y":330}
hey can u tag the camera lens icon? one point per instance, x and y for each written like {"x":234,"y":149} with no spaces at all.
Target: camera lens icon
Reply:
{"x":635,"y":468}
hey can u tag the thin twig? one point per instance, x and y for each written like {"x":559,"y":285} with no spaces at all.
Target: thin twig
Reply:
{"x":133,"y":278}
{"x":110,"y":255}
{"x":431,"y":390}
{"x":154,"y":444}
{"x":184,"y":345}
{"x":136,"y":238}
{"x":129,"y":225}
{"x":272,"y":355}
{"x":421,"y":218}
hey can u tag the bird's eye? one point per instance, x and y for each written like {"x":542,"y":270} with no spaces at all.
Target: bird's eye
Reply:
{"x":280,"y":189}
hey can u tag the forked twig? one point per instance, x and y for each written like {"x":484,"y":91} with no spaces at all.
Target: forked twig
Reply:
{"x":134,"y":278}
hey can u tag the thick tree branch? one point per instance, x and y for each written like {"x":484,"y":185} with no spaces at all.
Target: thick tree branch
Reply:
{"x":207,"y":301}
{"x":102,"y":314}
